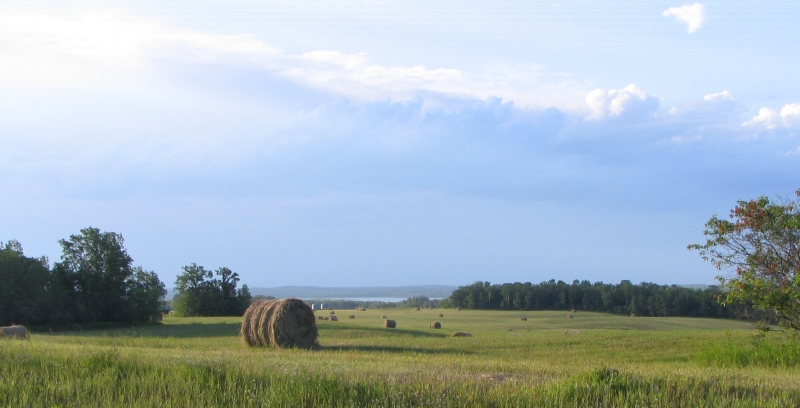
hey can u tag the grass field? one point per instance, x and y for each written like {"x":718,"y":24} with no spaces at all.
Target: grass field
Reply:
{"x":592,"y":359}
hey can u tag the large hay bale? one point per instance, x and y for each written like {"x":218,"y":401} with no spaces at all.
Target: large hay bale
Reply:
{"x":332,"y":312}
{"x":461,"y":334}
{"x":279,"y":323}
{"x":320,"y":317}
{"x":436,"y":325}
{"x":391,"y":324}
{"x":352,"y":316}
{"x":334,"y":319}
{"x":573,"y":311}
{"x":416,"y":308}
{"x":458,"y":308}
{"x":569,"y":316}
{"x":14,"y":332}
{"x":441,"y":315}
{"x":326,"y":318}
{"x":523,"y":318}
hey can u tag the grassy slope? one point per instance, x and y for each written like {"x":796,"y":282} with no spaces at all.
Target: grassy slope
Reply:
{"x":615,"y":360}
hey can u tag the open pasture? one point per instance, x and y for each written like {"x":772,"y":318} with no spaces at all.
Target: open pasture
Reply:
{"x":548,"y":360}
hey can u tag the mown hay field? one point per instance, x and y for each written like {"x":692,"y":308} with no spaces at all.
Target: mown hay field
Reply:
{"x":592,"y":359}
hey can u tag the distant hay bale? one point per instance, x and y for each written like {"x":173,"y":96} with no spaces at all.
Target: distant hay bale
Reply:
{"x":363,"y":309}
{"x":332,"y":312}
{"x":573,"y":311}
{"x":352,"y":316}
{"x":390,"y":324}
{"x":573,"y":332}
{"x":441,"y":315}
{"x":461,"y":334}
{"x":383,"y":317}
{"x":320,"y":317}
{"x":279,"y":323}
{"x":334,"y":319}
{"x":436,"y":325}
{"x":569,"y":316}
{"x":14,"y":332}
{"x":633,"y":314}
{"x":326,"y":318}
{"x":416,"y":308}
{"x":458,"y":308}
{"x":514,"y":334}
{"x":158,"y":317}
{"x":523,"y":318}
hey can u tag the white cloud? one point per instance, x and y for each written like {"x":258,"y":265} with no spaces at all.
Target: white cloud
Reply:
{"x":719,"y":96}
{"x":692,"y":15}
{"x":791,"y":114}
{"x":628,"y":101}
{"x":80,"y":48}
{"x":766,"y":118}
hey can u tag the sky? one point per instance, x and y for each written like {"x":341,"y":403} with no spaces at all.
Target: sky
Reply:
{"x":396,"y":142}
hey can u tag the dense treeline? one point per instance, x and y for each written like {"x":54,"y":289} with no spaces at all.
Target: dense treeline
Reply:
{"x":198,"y":293}
{"x":95,"y":281}
{"x":645,"y":299}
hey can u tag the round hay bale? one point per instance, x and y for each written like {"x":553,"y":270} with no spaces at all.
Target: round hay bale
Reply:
{"x":332,"y":312}
{"x":573,"y":311}
{"x":383,"y":317}
{"x":461,"y":334}
{"x":326,"y":318}
{"x":416,"y":308}
{"x":352,"y":316}
{"x":441,"y":315}
{"x":251,"y":322}
{"x":633,"y":314}
{"x":436,"y":325}
{"x":15,"y":332}
{"x":334,"y":319}
{"x":390,"y":324}
{"x":523,"y":318}
{"x":569,"y":316}
{"x":320,"y":317}
{"x":458,"y":308}
{"x":279,"y":323}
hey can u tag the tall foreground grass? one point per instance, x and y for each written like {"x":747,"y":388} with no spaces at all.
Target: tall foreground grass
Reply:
{"x":204,"y":364}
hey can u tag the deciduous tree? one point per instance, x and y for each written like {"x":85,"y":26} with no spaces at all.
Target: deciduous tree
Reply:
{"x":760,"y":245}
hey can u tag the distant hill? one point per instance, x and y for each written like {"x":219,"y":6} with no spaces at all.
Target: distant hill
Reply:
{"x":695,"y":286}
{"x":318,"y":292}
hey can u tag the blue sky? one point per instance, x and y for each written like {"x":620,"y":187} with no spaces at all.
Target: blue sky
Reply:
{"x":367,"y":143}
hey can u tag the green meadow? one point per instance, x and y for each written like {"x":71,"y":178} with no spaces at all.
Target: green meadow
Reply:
{"x":592,"y":359}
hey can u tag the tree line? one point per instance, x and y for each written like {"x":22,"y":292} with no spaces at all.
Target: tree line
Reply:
{"x":645,"y":299}
{"x":95,"y":281}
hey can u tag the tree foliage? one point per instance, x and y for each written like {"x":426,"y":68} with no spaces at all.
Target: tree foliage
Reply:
{"x":645,"y":299}
{"x":94,"y":282}
{"x":198,"y":293}
{"x":23,"y":292}
{"x":760,"y":245}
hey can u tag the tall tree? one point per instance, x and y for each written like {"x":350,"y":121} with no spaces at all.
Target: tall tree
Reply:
{"x":197,"y":293}
{"x":760,"y":243}
{"x":23,"y":296}
{"x":96,"y":267}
